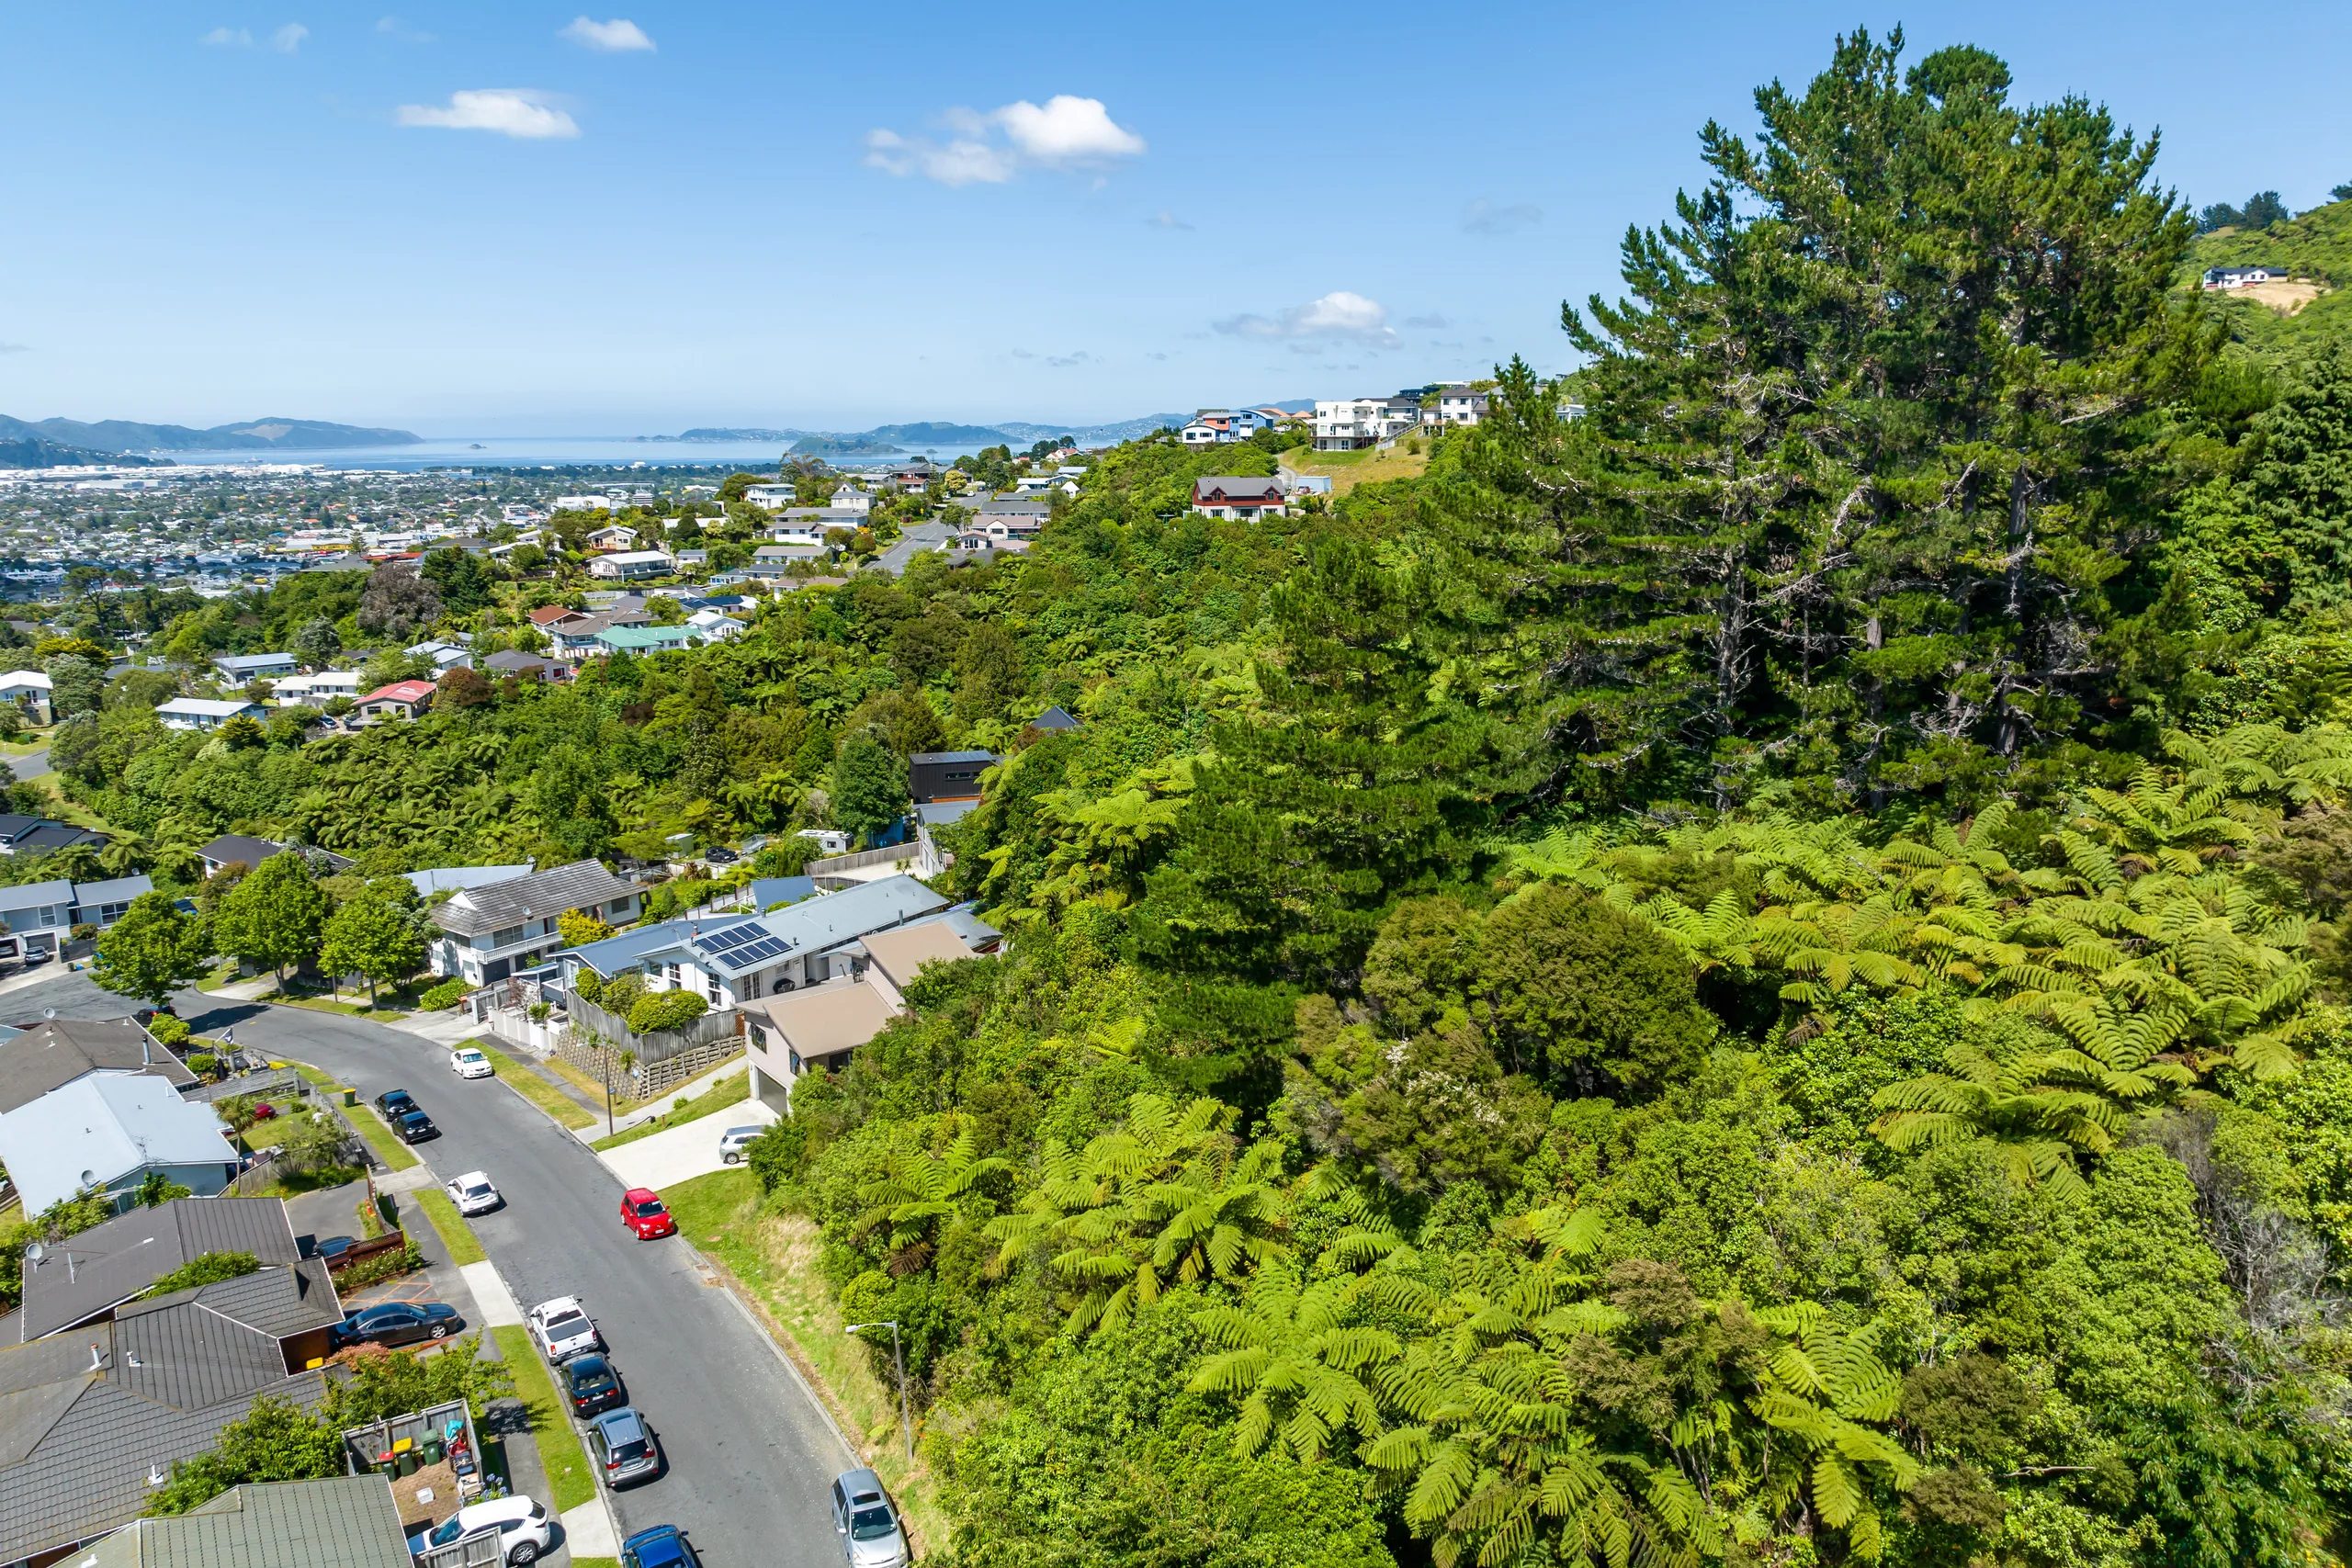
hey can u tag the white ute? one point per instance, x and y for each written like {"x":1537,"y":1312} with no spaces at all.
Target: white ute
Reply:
{"x":564,"y":1329}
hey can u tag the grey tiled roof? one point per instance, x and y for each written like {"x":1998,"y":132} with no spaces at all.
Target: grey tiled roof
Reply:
{"x":59,"y":1050}
{"x":113,"y":1262}
{"x":231,"y":847}
{"x":347,"y":1521}
{"x":573,"y":886}
{"x":76,"y":1447}
{"x":179,"y":1352}
{"x":279,"y":1302}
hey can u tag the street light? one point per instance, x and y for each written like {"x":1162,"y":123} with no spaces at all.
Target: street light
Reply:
{"x":906,"y":1422}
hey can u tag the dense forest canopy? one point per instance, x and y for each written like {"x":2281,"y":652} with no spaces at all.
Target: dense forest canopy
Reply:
{"x":1754,"y":976}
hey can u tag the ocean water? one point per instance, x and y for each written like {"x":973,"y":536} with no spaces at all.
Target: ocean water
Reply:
{"x":538,"y":451}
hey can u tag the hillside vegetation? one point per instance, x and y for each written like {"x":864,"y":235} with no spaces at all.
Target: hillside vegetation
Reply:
{"x":2317,"y":245}
{"x":1756,"y":977}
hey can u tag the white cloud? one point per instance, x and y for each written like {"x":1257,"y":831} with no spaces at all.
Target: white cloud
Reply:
{"x":390,"y":27}
{"x":1166,"y":220}
{"x":1339,"y":314}
{"x":288,"y":39}
{"x":619,"y":35}
{"x":285,"y":40}
{"x":228,"y":37}
{"x":1482,"y":217}
{"x":1067,"y":132}
{"x":521,"y":112}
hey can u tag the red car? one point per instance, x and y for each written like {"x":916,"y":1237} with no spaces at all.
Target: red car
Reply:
{"x":642,"y":1211}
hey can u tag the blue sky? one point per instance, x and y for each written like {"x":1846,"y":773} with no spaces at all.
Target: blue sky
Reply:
{"x":519,"y":219}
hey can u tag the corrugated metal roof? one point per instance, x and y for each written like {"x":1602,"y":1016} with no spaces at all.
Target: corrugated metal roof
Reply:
{"x":348,"y":1521}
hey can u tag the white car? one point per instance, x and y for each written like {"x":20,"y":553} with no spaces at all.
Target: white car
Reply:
{"x":469,"y":1063}
{"x":473,"y":1194}
{"x":734,"y":1141}
{"x":523,"y":1527}
{"x":564,"y":1329}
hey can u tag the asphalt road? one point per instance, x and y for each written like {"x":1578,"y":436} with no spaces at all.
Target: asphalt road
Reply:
{"x":749,"y":1458}
{"x":32,"y":765}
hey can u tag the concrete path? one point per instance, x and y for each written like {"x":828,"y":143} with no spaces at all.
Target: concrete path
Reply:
{"x":691,"y":1089}
{"x":444,"y":1029}
{"x":588,"y":1530}
{"x":492,"y":1297}
{"x":664,"y":1160}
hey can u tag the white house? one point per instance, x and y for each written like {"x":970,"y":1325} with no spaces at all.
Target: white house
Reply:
{"x":38,"y":915}
{"x":612,"y":538}
{"x":492,"y":932}
{"x":1219,"y":427}
{"x":583,"y":503}
{"x":770,"y":498}
{"x":849,"y":498}
{"x":317,"y":691}
{"x":1459,"y":405}
{"x":1343,"y":425}
{"x":28,"y":688}
{"x":445,"y":656}
{"x":712,"y":627}
{"x":107,"y":1132}
{"x":239,"y":668}
{"x":206,"y":712}
{"x":630,"y":566}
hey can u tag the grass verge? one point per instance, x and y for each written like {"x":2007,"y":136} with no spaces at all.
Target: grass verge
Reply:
{"x":772,"y":1257}
{"x":395,"y":1155}
{"x":719,"y":1097}
{"x":329,"y":1004}
{"x":592,"y":1087}
{"x":534,"y":1088}
{"x":456,"y":1236}
{"x":569,"y":1481}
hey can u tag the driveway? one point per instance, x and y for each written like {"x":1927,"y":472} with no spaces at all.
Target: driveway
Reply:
{"x":664,"y":1160}
{"x":31,"y":765}
{"x":750,"y":1455}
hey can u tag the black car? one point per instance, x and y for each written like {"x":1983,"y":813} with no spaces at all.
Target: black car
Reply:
{"x":595,"y":1384}
{"x":415,"y":1127}
{"x":719,"y":856}
{"x":399,"y":1323}
{"x":333,"y":1246}
{"x":395,"y":1103}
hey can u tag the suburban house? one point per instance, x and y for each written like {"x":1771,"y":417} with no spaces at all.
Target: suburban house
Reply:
{"x":101,"y":904}
{"x":771,"y":561}
{"x":711,"y":627}
{"x":50,"y":1054}
{"x":110,"y":1130}
{"x":401,"y":699}
{"x":817,"y":1028}
{"x":28,"y":688}
{"x":851,"y":499}
{"x":630,"y":566}
{"x":645,"y":640}
{"x":1054,"y":718}
{"x":457,"y":878}
{"x":613,"y":536}
{"x":947,"y":775}
{"x":239,"y":668}
{"x":1343,"y":425}
{"x":1459,"y":405}
{"x":526,"y":666}
{"x":22,"y":835}
{"x":316,"y":691}
{"x":914,"y":540}
{"x":206,"y":712}
{"x":445,"y":656}
{"x":1217,"y":427}
{"x":38,"y":918}
{"x":88,"y":1419}
{"x":237,"y":848}
{"x":492,"y":932}
{"x":818,"y":519}
{"x":582,"y":503}
{"x":2239,"y":276}
{"x":89,"y":1277}
{"x":1237,"y":499}
{"x":344,"y":1521}
{"x":770,"y":497}
{"x":731,"y":959}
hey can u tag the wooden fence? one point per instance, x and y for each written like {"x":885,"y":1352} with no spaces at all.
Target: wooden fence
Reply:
{"x":662,"y":1060}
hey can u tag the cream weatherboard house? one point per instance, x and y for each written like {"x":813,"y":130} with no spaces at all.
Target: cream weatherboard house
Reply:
{"x":503,"y":928}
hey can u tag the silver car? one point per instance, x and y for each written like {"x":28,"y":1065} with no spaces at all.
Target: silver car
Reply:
{"x":734,"y":1141}
{"x":867,"y":1524}
{"x":624,"y":1446}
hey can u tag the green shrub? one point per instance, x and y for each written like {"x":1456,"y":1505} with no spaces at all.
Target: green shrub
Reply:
{"x":167,"y":1030}
{"x":203,"y":1064}
{"x":664,"y":1010}
{"x":448,"y":993}
{"x":384,"y":1266}
{"x":206,"y":1269}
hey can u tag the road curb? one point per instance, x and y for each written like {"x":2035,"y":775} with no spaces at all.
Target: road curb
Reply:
{"x":730,"y":1287}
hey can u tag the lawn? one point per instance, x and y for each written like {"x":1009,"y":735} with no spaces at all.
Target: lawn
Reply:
{"x":378,"y":1133}
{"x":534,"y":1088}
{"x":727,"y":1091}
{"x":774,"y":1258}
{"x":569,"y":1477}
{"x":592,"y":1087}
{"x":1365,"y":466}
{"x":456,"y":1236}
{"x":318,"y":1003}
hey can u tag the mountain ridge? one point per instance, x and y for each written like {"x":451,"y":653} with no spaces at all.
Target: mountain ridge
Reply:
{"x":273,"y":432}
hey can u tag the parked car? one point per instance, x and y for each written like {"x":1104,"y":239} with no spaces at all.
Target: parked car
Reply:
{"x":399,"y":1323}
{"x":643,"y":1212}
{"x":468,"y":1062}
{"x":624,"y":1446}
{"x":415,"y":1127}
{"x":563,"y":1329}
{"x":594,"y":1383}
{"x":473,"y":1194}
{"x":395,"y":1103}
{"x":663,"y":1546}
{"x":720,"y":855}
{"x":333,"y":1246}
{"x":734,"y":1141}
{"x":524,"y":1530}
{"x":867,"y":1524}
{"x":264,"y":1111}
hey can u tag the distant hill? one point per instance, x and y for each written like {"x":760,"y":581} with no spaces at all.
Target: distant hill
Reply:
{"x":2317,"y":246}
{"x":35,"y":452}
{"x":1094,"y":434}
{"x":721,"y":432}
{"x":257,"y":434}
{"x":885,"y":439}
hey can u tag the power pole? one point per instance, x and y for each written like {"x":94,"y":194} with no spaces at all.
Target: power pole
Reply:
{"x":906,"y":1421}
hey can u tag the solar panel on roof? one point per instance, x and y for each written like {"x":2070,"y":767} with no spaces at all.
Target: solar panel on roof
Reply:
{"x":733,"y":936}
